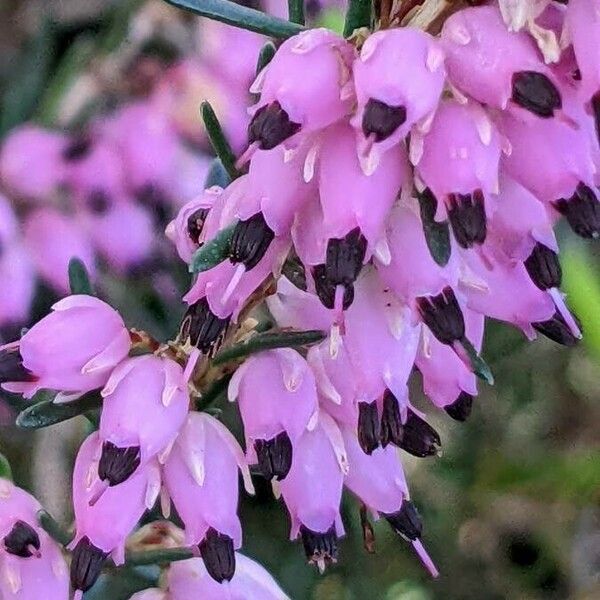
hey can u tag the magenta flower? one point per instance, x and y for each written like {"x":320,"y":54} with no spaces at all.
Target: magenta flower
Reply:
{"x":398,"y":78}
{"x":134,"y":426}
{"x":31,"y":563}
{"x":286,"y":108}
{"x":277,"y":414}
{"x":312,"y":491}
{"x":103,"y":523}
{"x":53,"y":239}
{"x":201,"y":477}
{"x":18,"y":282}
{"x":72,"y":350}
{"x":31,"y":162}
{"x":191,"y":579}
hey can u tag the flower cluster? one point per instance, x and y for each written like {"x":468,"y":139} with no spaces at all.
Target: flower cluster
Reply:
{"x":390,"y":197}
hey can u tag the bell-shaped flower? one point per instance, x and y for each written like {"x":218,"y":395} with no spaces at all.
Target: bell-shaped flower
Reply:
{"x":73,"y":349}
{"x":53,"y":239}
{"x":277,"y":397}
{"x":31,"y":563}
{"x":458,"y":160}
{"x":201,"y":477}
{"x":378,"y":481}
{"x":31,"y":162}
{"x":190,"y":579}
{"x":286,"y":108}
{"x":498,"y":67}
{"x":103,"y":523}
{"x":398,"y":77}
{"x":146,"y":402}
{"x":312,"y":491}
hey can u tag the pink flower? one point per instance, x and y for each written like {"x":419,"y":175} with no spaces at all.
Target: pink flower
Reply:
{"x":53,"y":239}
{"x":103,"y":523}
{"x":277,"y":397}
{"x":31,"y":162}
{"x":18,"y":282}
{"x":458,"y":160}
{"x":312,"y":491}
{"x":31,"y":563}
{"x":72,"y":350}
{"x":146,"y":402}
{"x":495,"y":66}
{"x":285,"y":108}
{"x":190,"y":579}
{"x":201,"y":477}
{"x":398,"y":78}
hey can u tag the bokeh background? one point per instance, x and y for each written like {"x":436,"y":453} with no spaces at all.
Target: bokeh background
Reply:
{"x":511,"y":508}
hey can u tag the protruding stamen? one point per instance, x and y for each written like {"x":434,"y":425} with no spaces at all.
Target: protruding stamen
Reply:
{"x":12,"y":368}
{"x":218,"y":554}
{"x":321,"y":548}
{"x":418,"y":437}
{"x":557,"y":330}
{"x":117,"y":464}
{"x":274,"y":456}
{"x":534,"y":92}
{"x":443,"y":315}
{"x":381,"y":120}
{"x":466,"y":213}
{"x":566,"y":314}
{"x":22,"y":540}
{"x":86,"y":564}
{"x":460,"y":409}
{"x":582,"y":211}
{"x":368,"y":426}
{"x":406,"y":521}
{"x":391,"y":422}
{"x":250,"y":241}
{"x":270,"y":126}
{"x":195,"y":224}
{"x":543,"y":267}
{"x":202,"y":327}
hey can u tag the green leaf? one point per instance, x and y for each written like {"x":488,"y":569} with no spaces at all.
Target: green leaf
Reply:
{"x":27,"y":83}
{"x":268,"y":341}
{"x":154,"y":557}
{"x":218,"y":388}
{"x":217,"y":175}
{"x":218,"y":140}
{"x":53,"y":528}
{"x":212,"y":253}
{"x":479,"y":366}
{"x":5,"y":470}
{"x":46,"y":413}
{"x":437,"y":235}
{"x":239,"y":16}
{"x":358,"y":15}
{"x":267,"y":52}
{"x":79,"y":279}
{"x":296,"y":11}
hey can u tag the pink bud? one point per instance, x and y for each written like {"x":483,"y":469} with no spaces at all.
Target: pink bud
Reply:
{"x":189,"y":579}
{"x":31,"y":563}
{"x":148,"y":420}
{"x":53,"y":239}
{"x":201,"y":477}
{"x":277,"y":397}
{"x":399,"y":78}
{"x":312,"y":491}
{"x":73,"y":349}
{"x":31,"y":162}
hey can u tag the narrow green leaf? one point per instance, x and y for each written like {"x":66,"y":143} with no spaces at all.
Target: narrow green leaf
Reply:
{"x":218,"y":140}
{"x":156,"y":557}
{"x":239,"y":16}
{"x":479,"y":366}
{"x":5,"y":470}
{"x":268,"y":341}
{"x":437,"y":234}
{"x":296,"y":11}
{"x":267,"y":52}
{"x":53,"y":528}
{"x":46,"y":413}
{"x":358,"y":15}
{"x":79,"y":279}
{"x":212,"y":253}
{"x":217,"y":175}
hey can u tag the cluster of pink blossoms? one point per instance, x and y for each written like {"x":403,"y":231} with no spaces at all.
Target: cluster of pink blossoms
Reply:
{"x":394,"y":197}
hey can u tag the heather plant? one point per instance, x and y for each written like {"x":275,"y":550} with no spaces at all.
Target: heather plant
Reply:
{"x":396,"y":188}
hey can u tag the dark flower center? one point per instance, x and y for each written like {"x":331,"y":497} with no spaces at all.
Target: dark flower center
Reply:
{"x":368,"y":426}
{"x":270,"y":126}
{"x":461,"y":408}
{"x":195,"y":224}
{"x":466,"y":213}
{"x":12,"y":368}
{"x":406,"y":522}
{"x":557,"y":330}
{"x":217,"y":552}
{"x":202,"y":327}
{"x":118,"y":464}
{"x":443,"y":316}
{"x":582,"y":211}
{"x":419,"y":438}
{"x":98,"y":202}
{"x":86,"y":564}
{"x":78,"y":149}
{"x":320,"y":548}
{"x":543,"y":267}
{"x":391,"y":423}
{"x":22,"y":540}
{"x":274,"y":456}
{"x":381,"y":119}
{"x":534,"y":92}
{"x":250,"y":241}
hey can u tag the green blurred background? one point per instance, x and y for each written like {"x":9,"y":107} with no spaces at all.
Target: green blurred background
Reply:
{"x":511,"y":509}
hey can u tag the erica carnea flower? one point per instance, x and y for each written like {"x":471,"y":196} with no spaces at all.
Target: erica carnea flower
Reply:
{"x":31,"y":563}
{"x":201,"y":477}
{"x":71,"y":350}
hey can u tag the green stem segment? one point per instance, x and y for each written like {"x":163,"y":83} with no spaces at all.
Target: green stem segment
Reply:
{"x":296,"y":11}
{"x":213,"y":252}
{"x":46,"y":412}
{"x":218,"y":140}
{"x":156,"y":557}
{"x":239,"y":16}
{"x":359,"y":15}
{"x":79,"y":278}
{"x":53,"y":528}
{"x":269,"y":341}
{"x":478,"y":365}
